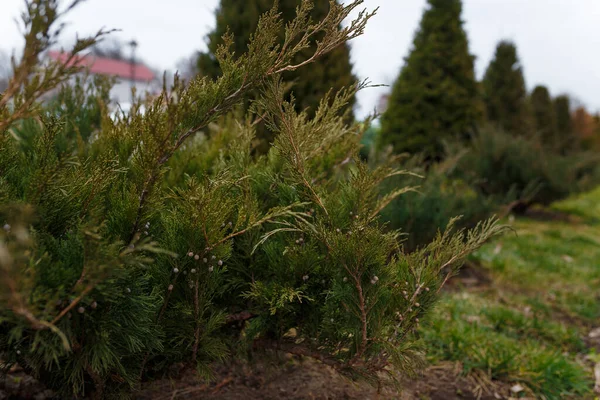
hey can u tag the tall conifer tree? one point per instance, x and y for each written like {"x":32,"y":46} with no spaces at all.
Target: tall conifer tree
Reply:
{"x":504,"y":91}
{"x":310,"y":85}
{"x":436,"y":94}
{"x":564,"y":122}
{"x":562,"y":109}
{"x":544,"y":115}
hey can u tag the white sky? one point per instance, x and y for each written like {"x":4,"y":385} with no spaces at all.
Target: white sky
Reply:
{"x":558,"y":40}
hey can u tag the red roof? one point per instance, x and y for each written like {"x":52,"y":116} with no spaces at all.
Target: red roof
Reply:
{"x":107,"y":66}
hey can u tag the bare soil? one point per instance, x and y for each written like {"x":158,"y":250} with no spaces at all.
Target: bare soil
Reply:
{"x":472,"y":276}
{"x":295,"y":380}
{"x":309,"y":379}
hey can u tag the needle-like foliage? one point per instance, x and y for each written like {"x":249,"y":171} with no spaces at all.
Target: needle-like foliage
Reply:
{"x":130,"y":245}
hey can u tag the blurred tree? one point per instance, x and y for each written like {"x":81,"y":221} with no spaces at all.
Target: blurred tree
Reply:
{"x":584,"y":126}
{"x":596,"y":133}
{"x":504,"y":91}
{"x":333,"y":71}
{"x":5,"y":70}
{"x":562,"y":110}
{"x":544,"y":115}
{"x":436,"y":95}
{"x":187,"y":67}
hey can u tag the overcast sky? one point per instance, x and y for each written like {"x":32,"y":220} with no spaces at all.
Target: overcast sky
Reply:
{"x":558,"y":40}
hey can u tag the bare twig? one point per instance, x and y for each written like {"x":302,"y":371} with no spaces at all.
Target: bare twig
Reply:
{"x":196,"y":317}
{"x":363,"y":313}
{"x":73,"y":304}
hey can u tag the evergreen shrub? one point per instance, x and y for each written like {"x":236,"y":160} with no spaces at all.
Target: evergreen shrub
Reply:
{"x":522,"y":171}
{"x":131,"y":245}
{"x":437,"y":197}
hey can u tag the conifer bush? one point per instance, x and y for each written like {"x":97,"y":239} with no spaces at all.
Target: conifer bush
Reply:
{"x":128,"y":246}
{"x":521,"y":171}
{"x":438,"y":195}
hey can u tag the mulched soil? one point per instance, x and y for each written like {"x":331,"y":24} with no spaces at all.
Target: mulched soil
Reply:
{"x":309,"y":379}
{"x":16,"y":384}
{"x":295,"y":380}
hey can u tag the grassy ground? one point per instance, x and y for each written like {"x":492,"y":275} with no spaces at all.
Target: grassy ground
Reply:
{"x":525,"y":317}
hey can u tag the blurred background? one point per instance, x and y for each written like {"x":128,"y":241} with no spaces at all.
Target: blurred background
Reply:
{"x":557,"y":40}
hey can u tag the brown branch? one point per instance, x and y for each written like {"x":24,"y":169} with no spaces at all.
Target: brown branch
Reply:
{"x":165,"y":302}
{"x":222,"y":384}
{"x":241,"y":316}
{"x":25,"y":313}
{"x":72,"y":305}
{"x":448,"y":276}
{"x":98,"y":383}
{"x":455,"y":258}
{"x":234,"y":234}
{"x":241,"y":232}
{"x":81,"y":277}
{"x":363,"y":320}
{"x":299,"y":351}
{"x":196,"y":315}
{"x":312,"y":59}
{"x":363,"y":313}
{"x":16,"y":304}
{"x":143,"y":197}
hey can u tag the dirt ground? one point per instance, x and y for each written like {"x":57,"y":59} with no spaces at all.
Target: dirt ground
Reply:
{"x":294,"y":380}
{"x":311,"y":380}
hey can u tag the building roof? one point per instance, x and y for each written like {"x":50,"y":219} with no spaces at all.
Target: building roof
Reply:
{"x":107,"y":66}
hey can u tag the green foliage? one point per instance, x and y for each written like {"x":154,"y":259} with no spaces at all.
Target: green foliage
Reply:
{"x":544,"y":116}
{"x":28,"y":83}
{"x":504,"y":92}
{"x":585,"y":205}
{"x":332,"y":71}
{"x":131,"y":245}
{"x":369,"y":142}
{"x":437,"y":198}
{"x":564,"y":123}
{"x":435,"y":98}
{"x":520,"y":171}
{"x":80,"y":106}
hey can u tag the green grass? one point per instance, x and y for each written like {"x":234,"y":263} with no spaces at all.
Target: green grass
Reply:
{"x":527,"y":325}
{"x":586,"y":205}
